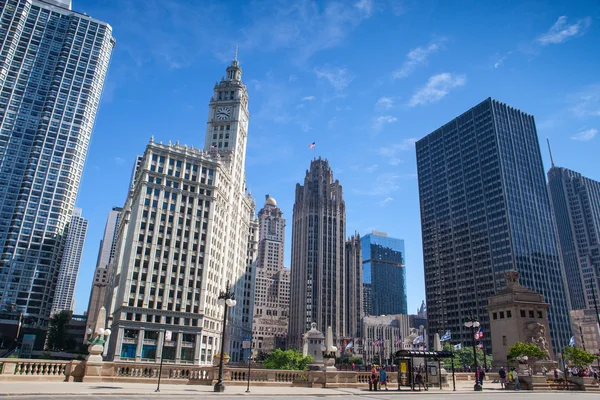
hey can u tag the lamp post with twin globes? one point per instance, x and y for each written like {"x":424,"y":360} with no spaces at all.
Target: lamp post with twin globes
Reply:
{"x":227,"y":299}
{"x":474,"y":324}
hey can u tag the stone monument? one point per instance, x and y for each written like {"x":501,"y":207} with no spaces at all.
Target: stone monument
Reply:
{"x":313,"y":341}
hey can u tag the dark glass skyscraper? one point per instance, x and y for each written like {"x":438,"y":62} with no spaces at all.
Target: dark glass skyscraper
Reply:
{"x":485,"y":209}
{"x":576,"y":203}
{"x":53,"y":62}
{"x":384,"y":274}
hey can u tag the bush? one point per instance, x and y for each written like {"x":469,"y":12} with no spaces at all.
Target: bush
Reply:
{"x":289,"y":360}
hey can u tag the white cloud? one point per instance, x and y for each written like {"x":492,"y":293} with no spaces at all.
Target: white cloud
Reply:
{"x":385,"y":103}
{"x":385,"y":184}
{"x":292,"y":78}
{"x":309,"y":98}
{"x":437,"y":87}
{"x":365,"y":7}
{"x":585,"y":136}
{"x":500,"y":60}
{"x":586,"y":103}
{"x":418,"y":56}
{"x":561,"y":32}
{"x":379,"y":122}
{"x":370,"y":169}
{"x":119,"y":160}
{"x":386,"y":200}
{"x":395,"y":161}
{"x":337,"y":77}
{"x":391,"y":150}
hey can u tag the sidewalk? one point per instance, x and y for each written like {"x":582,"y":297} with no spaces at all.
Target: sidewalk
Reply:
{"x":68,"y":389}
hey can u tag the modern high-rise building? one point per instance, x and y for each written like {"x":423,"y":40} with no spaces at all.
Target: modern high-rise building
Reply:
{"x":384,"y":274}
{"x":576,"y":204}
{"x":69,"y":264}
{"x":320,"y":285}
{"x":485,"y":209}
{"x":272,"y":284}
{"x":53,"y":62}
{"x":106,"y":254}
{"x":188,"y":230}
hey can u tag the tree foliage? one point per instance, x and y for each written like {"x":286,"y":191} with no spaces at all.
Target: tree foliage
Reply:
{"x":288,"y":359}
{"x":464,"y":356}
{"x":526,"y":349}
{"x":57,"y":339}
{"x":579,"y":357}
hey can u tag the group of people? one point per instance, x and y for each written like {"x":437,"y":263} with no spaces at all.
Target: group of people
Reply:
{"x":513,"y":376}
{"x":378,"y":379}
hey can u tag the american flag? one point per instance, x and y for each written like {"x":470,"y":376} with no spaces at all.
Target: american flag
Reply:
{"x":312,"y":145}
{"x":480,"y":345}
{"x":479,"y":334}
{"x":399,"y":342}
{"x":378,"y":342}
{"x":213,"y":148}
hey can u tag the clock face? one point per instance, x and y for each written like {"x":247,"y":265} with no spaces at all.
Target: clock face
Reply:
{"x":223,"y":113}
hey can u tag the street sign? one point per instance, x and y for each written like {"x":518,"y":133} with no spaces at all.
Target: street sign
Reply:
{"x":168,"y":336}
{"x":246,"y":344}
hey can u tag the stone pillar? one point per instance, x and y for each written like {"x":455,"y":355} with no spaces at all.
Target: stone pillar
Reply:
{"x":178,"y":347}
{"x":140,"y":344}
{"x":197,"y":349}
{"x":159,"y":345}
{"x":118,"y":343}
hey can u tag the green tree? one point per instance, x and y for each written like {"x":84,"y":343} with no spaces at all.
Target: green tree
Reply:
{"x":57,"y":339}
{"x":579,"y":357}
{"x":464,"y":356}
{"x":526,"y":349}
{"x":288,"y":359}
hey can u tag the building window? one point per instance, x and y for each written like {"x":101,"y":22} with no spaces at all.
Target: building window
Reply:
{"x":539,"y":314}
{"x":128,"y":350}
{"x":523,"y":313}
{"x":501,"y":314}
{"x":495,"y":315}
{"x":509,"y":314}
{"x":504,"y":340}
{"x":531,"y":314}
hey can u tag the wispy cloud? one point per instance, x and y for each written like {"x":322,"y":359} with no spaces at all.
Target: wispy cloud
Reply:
{"x":586,"y":103}
{"x":119,"y":160}
{"x":395,"y":161}
{"x":561,"y":31}
{"x":418,"y":56}
{"x":384,"y":103}
{"x":338,"y":77}
{"x":379,"y":122}
{"x":365,"y":7}
{"x":585,"y":136}
{"x":292,"y":78}
{"x":370,"y":169}
{"x":499,"y":60}
{"x":386,"y":200}
{"x":437,"y":87}
{"x":309,"y":98}
{"x":391,"y":150}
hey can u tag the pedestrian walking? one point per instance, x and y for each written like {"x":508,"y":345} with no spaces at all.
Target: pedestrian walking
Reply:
{"x":502,"y":374}
{"x":515,"y":376}
{"x":383,"y":379}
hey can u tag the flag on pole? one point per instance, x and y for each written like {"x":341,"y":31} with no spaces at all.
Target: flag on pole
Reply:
{"x":479,"y":334}
{"x":349,"y":345}
{"x":418,"y":339}
{"x":458,"y":346}
{"x":213,"y":148}
{"x":572,"y":341}
{"x":312,"y":145}
{"x":480,"y":345}
{"x":446,"y":336}
{"x":399,"y":342}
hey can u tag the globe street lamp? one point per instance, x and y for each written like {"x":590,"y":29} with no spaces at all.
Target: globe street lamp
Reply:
{"x":474,"y":324}
{"x":226,"y":299}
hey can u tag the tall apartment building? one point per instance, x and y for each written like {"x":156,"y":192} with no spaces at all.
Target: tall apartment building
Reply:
{"x":320,"y":285}
{"x":106,"y":254}
{"x":272,"y":284}
{"x":69,"y":265}
{"x":384,"y":274}
{"x":53,"y":62}
{"x":576,"y":204}
{"x":485,"y":209}
{"x":186,"y":233}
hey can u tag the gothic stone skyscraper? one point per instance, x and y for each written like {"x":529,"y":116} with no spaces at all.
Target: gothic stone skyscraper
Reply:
{"x":320,"y":284}
{"x":187,"y":231}
{"x":52,"y":66}
{"x":576,"y":204}
{"x":272,"y":284}
{"x":485,"y":209}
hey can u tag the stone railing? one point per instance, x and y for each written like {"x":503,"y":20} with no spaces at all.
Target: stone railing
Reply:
{"x":17,"y":369}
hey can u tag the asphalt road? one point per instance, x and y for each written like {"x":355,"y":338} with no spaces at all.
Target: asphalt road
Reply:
{"x":499,"y":395}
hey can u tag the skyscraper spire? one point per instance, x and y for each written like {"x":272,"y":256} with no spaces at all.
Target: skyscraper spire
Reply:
{"x":550,"y":151}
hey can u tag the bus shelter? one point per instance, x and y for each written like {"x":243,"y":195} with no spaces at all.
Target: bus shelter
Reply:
{"x":407,"y":368}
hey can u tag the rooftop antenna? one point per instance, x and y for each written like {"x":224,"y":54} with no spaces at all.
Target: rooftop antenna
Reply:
{"x":550,"y":151}
{"x":236,"y":53}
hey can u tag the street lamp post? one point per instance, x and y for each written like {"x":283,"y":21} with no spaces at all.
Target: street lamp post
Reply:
{"x":474,"y":324}
{"x":227,"y":299}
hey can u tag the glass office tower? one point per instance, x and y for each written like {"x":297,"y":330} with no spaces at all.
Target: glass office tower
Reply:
{"x":53,"y":62}
{"x":576,"y":203}
{"x":485,"y":209}
{"x":384,"y":275}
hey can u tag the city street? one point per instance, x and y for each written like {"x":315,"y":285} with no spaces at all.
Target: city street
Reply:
{"x":137,"y":391}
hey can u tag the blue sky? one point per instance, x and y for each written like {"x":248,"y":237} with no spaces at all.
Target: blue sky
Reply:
{"x":363,"y":79}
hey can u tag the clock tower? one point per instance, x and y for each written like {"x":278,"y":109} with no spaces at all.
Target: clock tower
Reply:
{"x":227,"y":127}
